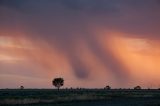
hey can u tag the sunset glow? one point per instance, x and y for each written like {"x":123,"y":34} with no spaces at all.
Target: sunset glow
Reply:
{"x":92,"y":50}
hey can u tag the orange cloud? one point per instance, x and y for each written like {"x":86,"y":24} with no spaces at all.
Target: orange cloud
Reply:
{"x":138,"y":55}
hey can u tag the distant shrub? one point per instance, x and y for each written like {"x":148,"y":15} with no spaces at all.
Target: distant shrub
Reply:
{"x":137,"y":88}
{"x":21,"y":87}
{"x":107,"y":87}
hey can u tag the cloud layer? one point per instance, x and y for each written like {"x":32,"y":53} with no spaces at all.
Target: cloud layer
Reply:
{"x":80,"y":40}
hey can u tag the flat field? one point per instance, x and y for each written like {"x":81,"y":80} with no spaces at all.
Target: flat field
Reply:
{"x":79,"y":97}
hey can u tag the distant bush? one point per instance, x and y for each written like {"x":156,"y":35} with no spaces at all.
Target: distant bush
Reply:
{"x":137,"y":88}
{"x":107,"y":87}
{"x":21,"y":87}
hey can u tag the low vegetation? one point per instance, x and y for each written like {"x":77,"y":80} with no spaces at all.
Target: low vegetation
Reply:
{"x":38,"y":97}
{"x":35,"y":96}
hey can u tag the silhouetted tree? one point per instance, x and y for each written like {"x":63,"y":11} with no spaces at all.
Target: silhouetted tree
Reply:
{"x":58,"y":82}
{"x":21,"y":87}
{"x":137,"y":88}
{"x":107,"y":87}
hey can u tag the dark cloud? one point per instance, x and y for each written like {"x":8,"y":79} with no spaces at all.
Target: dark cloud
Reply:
{"x":79,"y":67}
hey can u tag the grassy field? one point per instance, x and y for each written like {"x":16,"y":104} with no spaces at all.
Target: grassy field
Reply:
{"x":79,"y":97}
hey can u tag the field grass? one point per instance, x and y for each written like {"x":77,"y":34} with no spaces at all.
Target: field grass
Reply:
{"x":79,"y":97}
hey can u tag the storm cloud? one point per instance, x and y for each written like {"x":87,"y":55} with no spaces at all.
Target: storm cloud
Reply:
{"x":73,"y":26}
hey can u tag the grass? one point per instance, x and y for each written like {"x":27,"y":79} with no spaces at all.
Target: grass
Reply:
{"x":71,"y":96}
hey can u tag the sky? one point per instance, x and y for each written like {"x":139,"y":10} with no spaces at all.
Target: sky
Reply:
{"x":89,"y":43}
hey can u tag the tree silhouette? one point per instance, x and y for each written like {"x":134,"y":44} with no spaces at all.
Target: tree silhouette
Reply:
{"x":58,"y":82}
{"x":21,"y":87}
{"x":107,"y":87}
{"x":137,"y":88}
